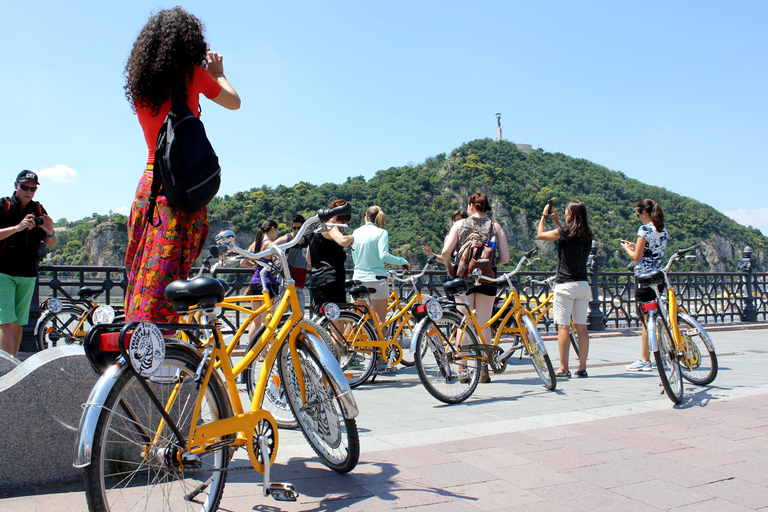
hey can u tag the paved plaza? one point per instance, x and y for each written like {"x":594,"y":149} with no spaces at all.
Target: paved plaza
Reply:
{"x":610,"y":442}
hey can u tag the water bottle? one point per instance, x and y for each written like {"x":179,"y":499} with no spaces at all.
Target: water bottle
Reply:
{"x":492,"y":243}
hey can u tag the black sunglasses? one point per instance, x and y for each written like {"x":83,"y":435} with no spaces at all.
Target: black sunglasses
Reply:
{"x":27,"y":189}
{"x":295,"y":228}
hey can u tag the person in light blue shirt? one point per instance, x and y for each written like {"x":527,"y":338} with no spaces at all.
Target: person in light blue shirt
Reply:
{"x":370,"y":252}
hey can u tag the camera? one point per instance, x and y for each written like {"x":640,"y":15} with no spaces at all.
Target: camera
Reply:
{"x":549,"y":207}
{"x":39,"y":221}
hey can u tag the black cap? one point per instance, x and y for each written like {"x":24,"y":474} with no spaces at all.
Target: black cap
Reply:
{"x":27,"y":176}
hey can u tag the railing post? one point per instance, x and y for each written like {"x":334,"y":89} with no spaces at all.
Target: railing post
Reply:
{"x":747,"y":265}
{"x":596,"y":318}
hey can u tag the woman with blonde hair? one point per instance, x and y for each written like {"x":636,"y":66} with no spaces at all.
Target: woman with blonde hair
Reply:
{"x":370,"y":252}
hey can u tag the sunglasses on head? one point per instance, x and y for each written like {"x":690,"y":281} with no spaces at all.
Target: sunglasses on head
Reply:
{"x":27,"y":189}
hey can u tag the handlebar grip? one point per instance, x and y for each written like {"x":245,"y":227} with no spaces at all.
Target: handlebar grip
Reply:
{"x":531,"y":252}
{"x":432,"y":259}
{"x":328,"y":214}
{"x":218,"y":250}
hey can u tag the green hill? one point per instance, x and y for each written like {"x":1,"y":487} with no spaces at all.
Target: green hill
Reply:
{"x":419,"y":199}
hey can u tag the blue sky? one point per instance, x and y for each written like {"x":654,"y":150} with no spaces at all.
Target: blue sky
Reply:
{"x":670,"y":93}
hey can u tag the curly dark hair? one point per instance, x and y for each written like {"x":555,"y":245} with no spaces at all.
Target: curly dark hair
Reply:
{"x":163,"y":58}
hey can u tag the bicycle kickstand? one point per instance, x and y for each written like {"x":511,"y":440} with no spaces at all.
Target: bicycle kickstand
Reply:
{"x":278,"y":491}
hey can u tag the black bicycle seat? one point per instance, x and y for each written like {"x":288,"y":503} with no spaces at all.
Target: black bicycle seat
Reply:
{"x":650,"y":278}
{"x":358,"y":292}
{"x":86,"y":292}
{"x":203,"y":291}
{"x":457,"y":286}
{"x":350,"y":283}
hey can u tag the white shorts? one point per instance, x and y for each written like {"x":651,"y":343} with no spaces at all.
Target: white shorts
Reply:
{"x":382,"y":290}
{"x":571,"y":301}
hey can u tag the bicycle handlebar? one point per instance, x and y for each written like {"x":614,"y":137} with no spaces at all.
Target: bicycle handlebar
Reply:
{"x":397,"y":275}
{"x":682,"y":253}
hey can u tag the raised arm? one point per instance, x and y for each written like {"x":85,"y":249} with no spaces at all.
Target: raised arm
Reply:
{"x":228,"y":97}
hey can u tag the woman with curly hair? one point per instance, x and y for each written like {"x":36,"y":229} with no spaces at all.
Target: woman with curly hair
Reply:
{"x":169,"y":55}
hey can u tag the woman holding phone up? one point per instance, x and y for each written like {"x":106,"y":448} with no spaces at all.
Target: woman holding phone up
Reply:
{"x":572,"y":293}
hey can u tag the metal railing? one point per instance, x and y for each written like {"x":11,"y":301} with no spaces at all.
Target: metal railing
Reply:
{"x":712,"y":297}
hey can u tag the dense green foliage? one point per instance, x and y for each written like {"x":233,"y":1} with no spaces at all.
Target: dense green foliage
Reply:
{"x":418,"y":200}
{"x":70,"y":242}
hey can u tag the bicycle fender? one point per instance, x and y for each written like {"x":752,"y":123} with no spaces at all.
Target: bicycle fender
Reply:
{"x":91,"y":412}
{"x":653,"y":343}
{"x":40,"y":321}
{"x":695,"y":324}
{"x":416,"y":331}
{"x":338,"y":379}
{"x":531,"y":326}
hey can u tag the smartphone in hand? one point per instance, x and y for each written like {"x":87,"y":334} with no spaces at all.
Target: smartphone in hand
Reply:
{"x":549,"y":207}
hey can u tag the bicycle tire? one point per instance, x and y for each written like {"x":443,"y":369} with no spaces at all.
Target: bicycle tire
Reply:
{"x":574,"y":340}
{"x":357,"y":363}
{"x":445,"y":378}
{"x":120,"y":478}
{"x":699,"y":364}
{"x":667,"y":364}
{"x":56,"y":329}
{"x":333,"y":437}
{"x":540,"y":360}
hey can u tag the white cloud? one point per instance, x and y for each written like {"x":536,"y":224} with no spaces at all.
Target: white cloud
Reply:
{"x":125,"y":210}
{"x":59,"y":173}
{"x":757,"y":218}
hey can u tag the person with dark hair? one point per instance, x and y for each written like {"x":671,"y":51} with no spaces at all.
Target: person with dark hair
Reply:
{"x":265,"y":236}
{"x":168,"y":57}
{"x":480,"y":297}
{"x":24,"y":223}
{"x":572,"y":292}
{"x":455,"y":217}
{"x":297,"y":257}
{"x":370,"y":252}
{"x":325,"y":260}
{"x":648,"y":252}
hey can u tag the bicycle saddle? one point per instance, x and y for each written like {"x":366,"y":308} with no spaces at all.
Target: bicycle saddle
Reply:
{"x":205,"y":292}
{"x":350,"y":283}
{"x":650,"y":278}
{"x":358,"y":292}
{"x":457,"y":286}
{"x":86,"y":292}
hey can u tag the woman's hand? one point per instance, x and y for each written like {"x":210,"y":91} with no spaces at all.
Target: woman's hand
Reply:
{"x":427,"y":250}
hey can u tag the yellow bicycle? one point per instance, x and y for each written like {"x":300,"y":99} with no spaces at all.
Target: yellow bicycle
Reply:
{"x":162,"y":423}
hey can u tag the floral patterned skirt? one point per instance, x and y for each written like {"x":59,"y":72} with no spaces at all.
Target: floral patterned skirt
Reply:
{"x":157,"y":256}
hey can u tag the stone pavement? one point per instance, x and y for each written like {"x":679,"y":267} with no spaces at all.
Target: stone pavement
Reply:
{"x":611,"y":442}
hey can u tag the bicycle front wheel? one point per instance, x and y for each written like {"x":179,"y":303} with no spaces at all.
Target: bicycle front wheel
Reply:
{"x":448,"y":375}
{"x":666,"y":362}
{"x":333,"y":437}
{"x":539,"y":358}
{"x":59,"y":329}
{"x":698,"y":363}
{"x":134,"y":464}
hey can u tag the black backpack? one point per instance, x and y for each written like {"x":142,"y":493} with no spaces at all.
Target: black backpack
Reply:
{"x":186,"y":169}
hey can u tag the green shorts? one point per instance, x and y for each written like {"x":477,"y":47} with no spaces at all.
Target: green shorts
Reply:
{"x":15,"y":298}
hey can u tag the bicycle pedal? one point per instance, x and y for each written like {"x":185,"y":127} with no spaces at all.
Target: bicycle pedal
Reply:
{"x":282,"y":492}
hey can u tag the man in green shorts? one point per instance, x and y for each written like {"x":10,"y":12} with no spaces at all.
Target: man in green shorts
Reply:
{"x":24,"y":223}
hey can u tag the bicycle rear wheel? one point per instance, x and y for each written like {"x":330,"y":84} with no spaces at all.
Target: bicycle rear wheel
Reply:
{"x":574,"y":339}
{"x":445,"y":375}
{"x":58,"y":329}
{"x":698,"y":363}
{"x":404,"y":338}
{"x":134,"y":465}
{"x":333,"y":437}
{"x":357,"y":362}
{"x":666,"y":362}
{"x":539,"y":358}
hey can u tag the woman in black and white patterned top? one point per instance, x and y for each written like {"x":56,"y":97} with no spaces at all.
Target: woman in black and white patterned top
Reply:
{"x":648,"y":252}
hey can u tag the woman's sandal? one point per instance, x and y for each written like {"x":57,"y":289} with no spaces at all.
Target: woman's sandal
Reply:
{"x":563,"y":375}
{"x":582,"y":373}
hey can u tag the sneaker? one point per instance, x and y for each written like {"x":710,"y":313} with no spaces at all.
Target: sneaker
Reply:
{"x":390,"y":369}
{"x":653,"y":367}
{"x":640,"y":366}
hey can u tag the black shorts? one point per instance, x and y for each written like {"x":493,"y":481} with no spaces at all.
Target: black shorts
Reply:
{"x":489,"y":289}
{"x":256,"y":289}
{"x":331,"y":292}
{"x":647,"y":294}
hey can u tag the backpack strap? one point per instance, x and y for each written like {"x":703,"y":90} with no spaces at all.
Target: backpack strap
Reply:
{"x":157,"y":185}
